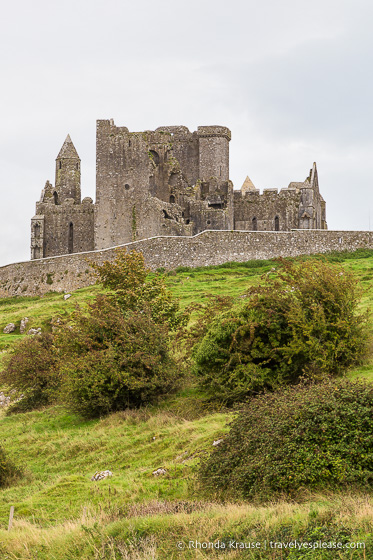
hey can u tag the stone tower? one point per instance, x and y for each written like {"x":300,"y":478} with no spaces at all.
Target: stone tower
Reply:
{"x":214,"y":152}
{"x":63,"y":224}
{"x":67,"y":184}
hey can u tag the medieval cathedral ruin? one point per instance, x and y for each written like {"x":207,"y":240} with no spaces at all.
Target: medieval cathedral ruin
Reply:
{"x":165,"y":182}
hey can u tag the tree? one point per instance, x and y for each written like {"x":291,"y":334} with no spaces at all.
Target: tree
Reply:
{"x":302,"y":322}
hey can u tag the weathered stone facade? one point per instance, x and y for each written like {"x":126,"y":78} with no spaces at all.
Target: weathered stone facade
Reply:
{"x":63,"y":224}
{"x":165,"y":182}
{"x":69,"y":272}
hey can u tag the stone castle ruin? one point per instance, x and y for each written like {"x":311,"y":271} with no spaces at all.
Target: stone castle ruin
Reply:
{"x":167,"y":182}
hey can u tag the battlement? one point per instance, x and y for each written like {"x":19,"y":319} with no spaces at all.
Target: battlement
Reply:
{"x":214,"y":131}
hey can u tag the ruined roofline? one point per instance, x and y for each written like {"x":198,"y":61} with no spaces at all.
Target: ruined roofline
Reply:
{"x":177,"y":130}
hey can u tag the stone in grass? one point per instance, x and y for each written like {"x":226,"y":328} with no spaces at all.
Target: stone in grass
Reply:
{"x":4,"y":401}
{"x":100,"y":475}
{"x":159,"y":472}
{"x":34,"y":331}
{"x":66,"y":296}
{"x":217,"y":442}
{"x":9,"y":328}
{"x":23,"y":325}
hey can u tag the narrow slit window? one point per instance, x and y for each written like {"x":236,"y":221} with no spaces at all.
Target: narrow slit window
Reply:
{"x":254,"y":224}
{"x":71,"y":238}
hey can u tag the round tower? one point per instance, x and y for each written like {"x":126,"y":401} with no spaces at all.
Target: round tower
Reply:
{"x":214,"y":152}
{"x":67,"y":184}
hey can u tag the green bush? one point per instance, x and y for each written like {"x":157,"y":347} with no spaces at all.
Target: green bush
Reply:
{"x":302,"y":322}
{"x":314,"y":437}
{"x":115,"y":361}
{"x":135,"y":290}
{"x":110,"y":357}
{"x":32,"y":369}
{"x":8,"y":471}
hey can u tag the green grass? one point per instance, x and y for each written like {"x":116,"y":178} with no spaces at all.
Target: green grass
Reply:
{"x":39,"y":310}
{"x":63,"y":452}
{"x":60,"y":514}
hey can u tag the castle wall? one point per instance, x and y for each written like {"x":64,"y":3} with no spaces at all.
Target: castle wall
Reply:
{"x":69,"y":272}
{"x":185,"y":150}
{"x":66,"y":228}
{"x":252,"y":207}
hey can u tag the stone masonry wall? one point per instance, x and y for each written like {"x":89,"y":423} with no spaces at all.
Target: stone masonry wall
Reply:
{"x":265,"y":208}
{"x":69,"y":272}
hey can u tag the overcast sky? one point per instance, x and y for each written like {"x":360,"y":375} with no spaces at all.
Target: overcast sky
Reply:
{"x":292,"y":80}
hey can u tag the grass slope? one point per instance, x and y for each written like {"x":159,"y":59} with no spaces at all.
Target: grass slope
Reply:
{"x":61,"y":514}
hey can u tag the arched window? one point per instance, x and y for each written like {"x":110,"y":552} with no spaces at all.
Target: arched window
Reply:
{"x":60,"y":164}
{"x":154,"y":156}
{"x":277,"y":224}
{"x":71,"y":238}
{"x":254,"y":226}
{"x":55,"y":196}
{"x":172,"y":199}
{"x":37,"y":231}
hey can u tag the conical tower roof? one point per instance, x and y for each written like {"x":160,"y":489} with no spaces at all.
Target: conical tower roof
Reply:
{"x":68,"y":150}
{"x":248,"y":185}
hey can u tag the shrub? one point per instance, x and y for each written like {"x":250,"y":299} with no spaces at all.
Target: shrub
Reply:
{"x":8,"y":471}
{"x":32,"y":368}
{"x":301,"y":323}
{"x":110,"y":357}
{"x":135,"y":289}
{"x":314,"y":436}
{"x":115,"y":361}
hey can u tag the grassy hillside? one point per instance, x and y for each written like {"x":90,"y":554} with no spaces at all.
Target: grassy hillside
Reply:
{"x":61,"y":514}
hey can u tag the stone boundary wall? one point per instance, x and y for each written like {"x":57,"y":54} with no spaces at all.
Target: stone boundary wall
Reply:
{"x":69,"y":272}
